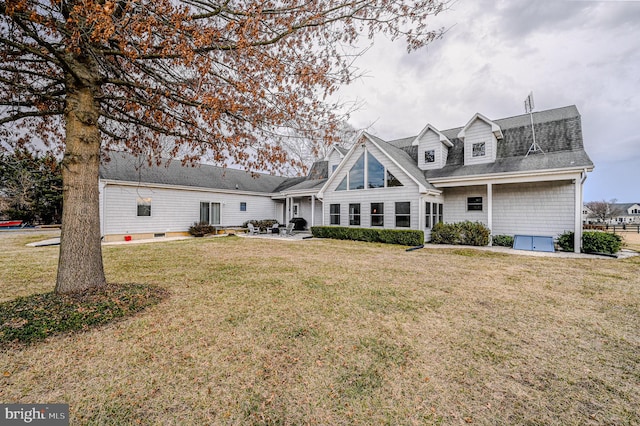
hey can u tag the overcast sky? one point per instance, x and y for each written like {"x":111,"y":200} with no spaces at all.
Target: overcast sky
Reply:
{"x":583,"y":53}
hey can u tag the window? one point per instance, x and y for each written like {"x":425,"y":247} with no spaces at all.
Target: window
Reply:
{"x":210,"y":213}
{"x":377,"y":214}
{"x":334,"y":214}
{"x":333,"y":168}
{"x":440,"y":212}
{"x":343,"y":185}
{"x":478,"y":149}
{"x":375,"y":172}
{"x":356,"y":174}
{"x":354,"y":214}
{"x":370,"y":169}
{"x":427,"y":215}
{"x":474,"y":204}
{"x":243,"y":207}
{"x":403,"y":214}
{"x":432,"y":214}
{"x":144,"y":206}
{"x":392,"y":181}
{"x":430,"y":156}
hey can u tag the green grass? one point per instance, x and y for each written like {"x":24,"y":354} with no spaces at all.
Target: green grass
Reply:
{"x":336,"y":332}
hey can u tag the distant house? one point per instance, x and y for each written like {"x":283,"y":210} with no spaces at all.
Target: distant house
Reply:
{"x":629,"y":213}
{"x":484,"y":171}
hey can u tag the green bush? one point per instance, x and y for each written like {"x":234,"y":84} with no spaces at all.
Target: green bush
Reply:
{"x":445,"y":233}
{"x":565,"y":241}
{"x":200,"y":229}
{"x":502,"y":240}
{"x":408,"y":237}
{"x":263,"y":224}
{"x":592,"y":242}
{"x":601,"y":242}
{"x":464,"y":233}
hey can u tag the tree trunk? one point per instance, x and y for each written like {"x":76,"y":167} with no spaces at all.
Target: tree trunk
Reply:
{"x":80,"y":262}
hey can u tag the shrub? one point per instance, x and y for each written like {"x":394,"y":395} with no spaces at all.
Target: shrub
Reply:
{"x":200,"y":229}
{"x":592,"y":242}
{"x":502,"y":240}
{"x":445,"y":233}
{"x":474,"y":234}
{"x":601,"y":242}
{"x":464,"y":233}
{"x":263,"y":224}
{"x":565,"y":241}
{"x":408,"y":237}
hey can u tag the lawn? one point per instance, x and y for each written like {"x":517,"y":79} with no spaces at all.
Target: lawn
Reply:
{"x":335,"y":332}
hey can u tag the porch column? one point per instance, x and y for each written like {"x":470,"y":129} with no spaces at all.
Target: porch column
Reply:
{"x":490,"y":209}
{"x":313,"y":209}
{"x":287,"y":206}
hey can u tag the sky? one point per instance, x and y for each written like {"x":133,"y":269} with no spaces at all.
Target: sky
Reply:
{"x":493,"y":54}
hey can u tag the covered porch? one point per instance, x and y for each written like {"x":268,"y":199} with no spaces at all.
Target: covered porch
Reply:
{"x":299,"y":205}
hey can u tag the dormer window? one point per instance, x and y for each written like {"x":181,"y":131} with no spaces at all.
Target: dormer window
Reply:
{"x":478,"y":149}
{"x":430,"y":156}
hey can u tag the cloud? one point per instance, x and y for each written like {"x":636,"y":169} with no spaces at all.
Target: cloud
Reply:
{"x":495,"y":52}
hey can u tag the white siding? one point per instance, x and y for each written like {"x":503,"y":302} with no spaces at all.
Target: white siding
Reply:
{"x":478,"y":132}
{"x":455,"y":204}
{"x":431,"y":141}
{"x":364,"y":197}
{"x":545,"y":208}
{"x":334,"y":159}
{"x":175,"y":210}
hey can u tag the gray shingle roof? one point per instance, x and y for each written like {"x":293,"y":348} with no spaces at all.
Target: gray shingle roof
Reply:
{"x":126,"y":167}
{"x":558,"y":133}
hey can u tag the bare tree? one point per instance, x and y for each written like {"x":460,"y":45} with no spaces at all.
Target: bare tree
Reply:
{"x":218,"y":77}
{"x":603,"y":210}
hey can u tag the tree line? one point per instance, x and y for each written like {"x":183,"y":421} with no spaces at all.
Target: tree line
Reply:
{"x":30,"y":187}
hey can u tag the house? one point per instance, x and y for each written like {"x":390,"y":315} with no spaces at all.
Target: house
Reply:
{"x":485,"y":171}
{"x":628,"y":213}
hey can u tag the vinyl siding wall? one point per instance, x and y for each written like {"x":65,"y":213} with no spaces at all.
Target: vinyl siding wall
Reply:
{"x":431,"y":141}
{"x":455,"y":204}
{"x":174,"y":210}
{"x":333,"y":160}
{"x":388,"y":196}
{"x":479,"y":131}
{"x":545,"y":208}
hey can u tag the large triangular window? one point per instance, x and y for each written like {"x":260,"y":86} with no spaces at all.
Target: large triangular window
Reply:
{"x":368,"y":169}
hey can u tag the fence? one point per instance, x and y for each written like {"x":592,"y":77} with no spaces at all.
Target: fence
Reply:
{"x":623,"y":227}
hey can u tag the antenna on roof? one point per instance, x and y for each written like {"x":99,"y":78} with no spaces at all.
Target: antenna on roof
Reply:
{"x":528,"y":107}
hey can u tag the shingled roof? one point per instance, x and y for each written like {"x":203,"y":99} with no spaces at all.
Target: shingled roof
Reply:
{"x":128,"y":168}
{"x":558,"y":132}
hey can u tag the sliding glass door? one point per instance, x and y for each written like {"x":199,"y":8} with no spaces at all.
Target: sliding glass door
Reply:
{"x":210,"y":213}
